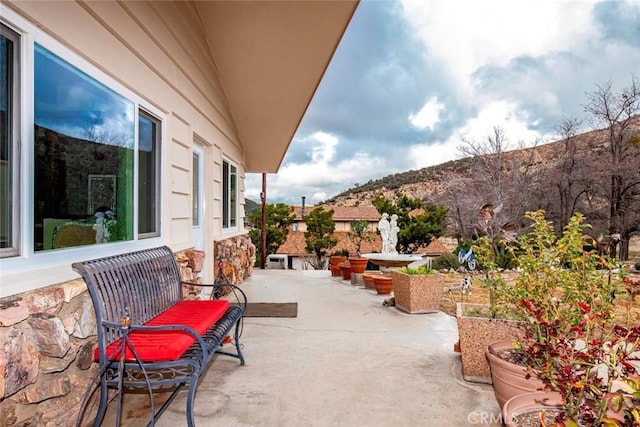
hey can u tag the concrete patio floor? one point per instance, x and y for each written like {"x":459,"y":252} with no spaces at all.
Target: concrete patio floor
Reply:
{"x":346,"y":360}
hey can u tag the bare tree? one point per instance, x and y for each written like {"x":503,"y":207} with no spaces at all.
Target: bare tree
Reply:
{"x":489,"y":154}
{"x":617,"y":112}
{"x":568,"y":176}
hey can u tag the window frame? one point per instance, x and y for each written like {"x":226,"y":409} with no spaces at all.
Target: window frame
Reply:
{"x":14,"y":122}
{"x":25,"y":269}
{"x":229,"y":206}
{"x":157,"y":175}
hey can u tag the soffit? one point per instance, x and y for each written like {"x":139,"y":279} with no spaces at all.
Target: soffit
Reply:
{"x":271,"y":56}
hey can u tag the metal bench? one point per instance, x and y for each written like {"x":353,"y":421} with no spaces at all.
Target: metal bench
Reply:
{"x":148,"y":336}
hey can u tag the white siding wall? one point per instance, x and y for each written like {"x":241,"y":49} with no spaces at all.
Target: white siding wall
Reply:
{"x":157,"y":51}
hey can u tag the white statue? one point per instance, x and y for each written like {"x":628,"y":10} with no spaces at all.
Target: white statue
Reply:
{"x":393,"y":234}
{"x":384,"y":228}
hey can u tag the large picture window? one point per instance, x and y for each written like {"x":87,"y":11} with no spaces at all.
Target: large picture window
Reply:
{"x":229,"y":194}
{"x":9,"y":126}
{"x":83,"y":158}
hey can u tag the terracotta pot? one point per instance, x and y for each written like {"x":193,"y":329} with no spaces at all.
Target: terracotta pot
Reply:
{"x":335,"y":269}
{"x":531,"y":403}
{"x":368,"y":280}
{"x":509,"y":379}
{"x":384,"y":284}
{"x":358,"y":264}
{"x":337,"y":259}
{"x":417,"y":293}
{"x":345,"y":269}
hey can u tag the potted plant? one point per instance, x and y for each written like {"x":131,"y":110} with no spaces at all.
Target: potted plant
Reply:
{"x":359,"y":234}
{"x":383,"y":284}
{"x":594,"y":369}
{"x":345,"y":270}
{"x":418,"y":290}
{"x":336,"y":259}
{"x":480,"y":325}
{"x":573,"y":341}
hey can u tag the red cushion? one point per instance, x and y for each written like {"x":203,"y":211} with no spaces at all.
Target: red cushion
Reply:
{"x":160,"y":346}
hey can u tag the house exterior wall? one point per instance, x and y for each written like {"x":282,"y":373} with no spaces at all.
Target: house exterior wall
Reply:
{"x":158,"y":52}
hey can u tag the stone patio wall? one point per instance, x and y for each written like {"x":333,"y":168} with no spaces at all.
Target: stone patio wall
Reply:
{"x":47,"y":338}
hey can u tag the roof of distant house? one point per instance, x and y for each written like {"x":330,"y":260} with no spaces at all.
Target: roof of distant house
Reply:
{"x":435,"y":248}
{"x":295,"y":244}
{"x":342,"y":213}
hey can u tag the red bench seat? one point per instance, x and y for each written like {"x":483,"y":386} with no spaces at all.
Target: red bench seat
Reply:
{"x":160,"y":346}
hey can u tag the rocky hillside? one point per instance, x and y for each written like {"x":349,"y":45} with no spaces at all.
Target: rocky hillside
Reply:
{"x":435,"y":181}
{"x":570,"y":175}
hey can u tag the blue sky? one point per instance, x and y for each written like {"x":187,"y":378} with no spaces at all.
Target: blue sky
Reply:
{"x":411,"y":78}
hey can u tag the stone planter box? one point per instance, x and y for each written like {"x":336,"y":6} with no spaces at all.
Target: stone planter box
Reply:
{"x":476,"y":333}
{"x":418,"y":293}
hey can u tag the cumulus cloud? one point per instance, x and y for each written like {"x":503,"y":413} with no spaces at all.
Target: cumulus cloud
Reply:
{"x":411,"y":78}
{"x":428,"y":116}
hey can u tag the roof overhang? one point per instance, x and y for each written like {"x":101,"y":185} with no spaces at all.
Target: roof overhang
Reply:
{"x":271,"y":56}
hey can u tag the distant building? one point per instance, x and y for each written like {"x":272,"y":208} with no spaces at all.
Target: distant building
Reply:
{"x":294,"y":247}
{"x":293,"y":252}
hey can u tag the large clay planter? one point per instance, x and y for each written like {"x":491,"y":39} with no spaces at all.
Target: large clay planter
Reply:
{"x":384,"y":284}
{"x":533,"y":402}
{"x":509,"y":379}
{"x":335,"y":270}
{"x":476,"y":333}
{"x":358,"y":264}
{"x":417,"y":293}
{"x":345,"y":270}
{"x":334,"y":264}
{"x":368,"y":280}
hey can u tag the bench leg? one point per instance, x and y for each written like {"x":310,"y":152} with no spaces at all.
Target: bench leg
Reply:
{"x":237,"y":340}
{"x":191,"y":397}
{"x":102,"y":407}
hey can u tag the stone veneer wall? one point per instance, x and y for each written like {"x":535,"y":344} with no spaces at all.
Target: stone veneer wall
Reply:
{"x":47,"y":339}
{"x":235,"y":258}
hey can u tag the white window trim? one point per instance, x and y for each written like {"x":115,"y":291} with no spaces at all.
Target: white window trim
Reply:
{"x":29,"y":270}
{"x":232,"y":229}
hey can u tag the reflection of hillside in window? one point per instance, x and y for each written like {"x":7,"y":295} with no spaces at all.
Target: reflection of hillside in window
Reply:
{"x":83,"y":156}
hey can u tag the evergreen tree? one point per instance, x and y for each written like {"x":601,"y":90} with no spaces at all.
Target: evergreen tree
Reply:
{"x":278,"y":219}
{"x":416,"y":231}
{"x":319,"y":235}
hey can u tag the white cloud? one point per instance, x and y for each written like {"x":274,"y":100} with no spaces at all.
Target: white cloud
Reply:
{"x":428,"y":116}
{"x":512,"y":64}
{"x":320,"y":178}
{"x":501,"y":114}
{"x":466,"y":35}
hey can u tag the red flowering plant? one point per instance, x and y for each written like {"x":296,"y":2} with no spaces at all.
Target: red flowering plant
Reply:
{"x":575,"y":341}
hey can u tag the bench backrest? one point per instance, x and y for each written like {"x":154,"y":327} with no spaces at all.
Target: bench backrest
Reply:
{"x":142,"y":284}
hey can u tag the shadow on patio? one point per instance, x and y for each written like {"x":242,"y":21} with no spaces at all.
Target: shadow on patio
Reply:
{"x":346,"y":360}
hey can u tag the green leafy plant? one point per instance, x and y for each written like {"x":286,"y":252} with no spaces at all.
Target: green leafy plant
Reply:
{"x":341,"y":252}
{"x":415,"y":271}
{"x":564,"y":294}
{"x":278,"y":218}
{"x":487,"y":260}
{"x":446,"y":262}
{"x":360,"y":234}
{"x":319,"y":235}
{"x":419,"y":223}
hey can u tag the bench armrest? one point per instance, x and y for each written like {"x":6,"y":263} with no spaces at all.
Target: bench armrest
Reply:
{"x":238,"y":293}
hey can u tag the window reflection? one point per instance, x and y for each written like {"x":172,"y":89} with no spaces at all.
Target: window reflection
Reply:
{"x":83,"y":158}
